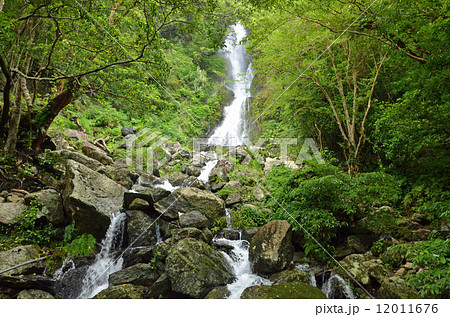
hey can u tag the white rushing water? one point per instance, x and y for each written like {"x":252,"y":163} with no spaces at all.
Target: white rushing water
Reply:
{"x":232,"y":129}
{"x":337,"y":284}
{"x":206,"y":170}
{"x":167,"y":186}
{"x":96,"y":278}
{"x":239,"y":261}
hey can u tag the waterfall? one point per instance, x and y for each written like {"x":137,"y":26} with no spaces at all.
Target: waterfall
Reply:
{"x":336,"y":287}
{"x":167,"y":186}
{"x":238,"y":259}
{"x":206,"y":170}
{"x":96,"y":278}
{"x":233,"y":128}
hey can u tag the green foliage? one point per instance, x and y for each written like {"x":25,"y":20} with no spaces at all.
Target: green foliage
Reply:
{"x":83,"y":245}
{"x":249,"y":217}
{"x":323,"y":200}
{"x":219,"y":224}
{"x":28,"y":229}
{"x":434,"y":255}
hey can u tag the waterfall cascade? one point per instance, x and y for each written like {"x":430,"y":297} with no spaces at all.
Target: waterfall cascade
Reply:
{"x":106,"y":263}
{"x":234,"y":126}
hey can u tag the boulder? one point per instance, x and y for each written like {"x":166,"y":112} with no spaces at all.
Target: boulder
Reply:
{"x":240,"y":155}
{"x":9,"y":212}
{"x":397,"y":288}
{"x":91,"y":198}
{"x":293,"y":290}
{"x":215,"y":187}
{"x":271,"y":247}
{"x":197,"y":183}
{"x":233,"y":199}
{"x":138,"y":274}
{"x":177,"y":178}
{"x":258,"y":194}
{"x":220,"y":171}
{"x":22,"y":282}
{"x":125,"y":291}
{"x":248,"y":233}
{"x":365,"y":269}
{"x":94,"y":152}
{"x":191,"y":170}
{"x":59,"y":158}
{"x":220,"y":292}
{"x":34,"y":294}
{"x":289,"y":276}
{"x":121,"y":175}
{"x":159,"y":288}
{"x":140,"y":228}
{"x":77,"y":135}
{"x":19,"y":255}
{"x":52,"y":206}
{"x":139,"y":204}
{"x":193,"y":219}
{"x":194,"y":268}
{"x":185,"y":200}
{"x":127,"y":131}
{"x":235,"y":187}
{"x":270,"y":164}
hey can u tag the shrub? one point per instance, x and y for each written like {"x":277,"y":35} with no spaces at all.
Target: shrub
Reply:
{"x":249,"y":217}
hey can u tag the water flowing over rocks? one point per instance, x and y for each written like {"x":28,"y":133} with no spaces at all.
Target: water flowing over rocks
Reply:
{"x":271,"y":247}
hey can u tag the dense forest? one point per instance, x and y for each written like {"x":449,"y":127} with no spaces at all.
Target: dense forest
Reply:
{"x":367,"y":81}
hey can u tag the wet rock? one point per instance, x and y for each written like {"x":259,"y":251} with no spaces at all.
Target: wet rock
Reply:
{"x":194,"y":268}
{"x":125,"y":291}
{"x":91,"y":199}
{"x":271,"y":247}
{"x":283,"y":291}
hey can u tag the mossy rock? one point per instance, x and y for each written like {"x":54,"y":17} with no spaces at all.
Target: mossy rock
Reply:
{"x":292,"y":290}
{"x":124,"y":291}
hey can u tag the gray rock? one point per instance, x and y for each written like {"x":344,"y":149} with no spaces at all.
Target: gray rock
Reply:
{"x":121,"y":175}
{"x":52,"y":205}
{"x":160,"y":287}
{"x":220,"y":292}
{"x":140,"y":204}
{"x":91,"y":198}
{"x":185,"y":200}
{"x":233,"y":199}
{"x":258,"y":194}
{"x":77,"y":135}
{"x":138,"y":274}
{"x":92,"y":151}
{"x":365,"y":269}
{"x":127,"y":131}
{"x":220,"y":172}
{"x":9,"y":212}
{"x":34,"y":294}
{"x":140,"y":228}
{"x":177,"y":178}
{"x":289,"y":276}
{"x":215,"y":187}
{"x":271,"y":247}
{"x":125,"y":291}
{"x":191,"y":170}
{"x":240,"y":155}
{"x":19,"y":255}
{"x":270,"y":164}
{"x":248,"y":233}
{"x":194,"y":268}
{"x":394,"y":287}
{"x":193,"y":219}
{"x":283,"y":291}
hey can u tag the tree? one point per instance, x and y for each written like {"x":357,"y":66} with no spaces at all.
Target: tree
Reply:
{"x":69,"y":46}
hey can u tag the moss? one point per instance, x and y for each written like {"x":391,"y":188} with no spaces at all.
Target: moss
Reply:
{"x":292,"y":290}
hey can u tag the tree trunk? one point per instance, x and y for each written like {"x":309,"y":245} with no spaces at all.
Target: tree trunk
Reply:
{"x":44,"y":119}
{"x":6,"y":96}
{"x":10,"y":145}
